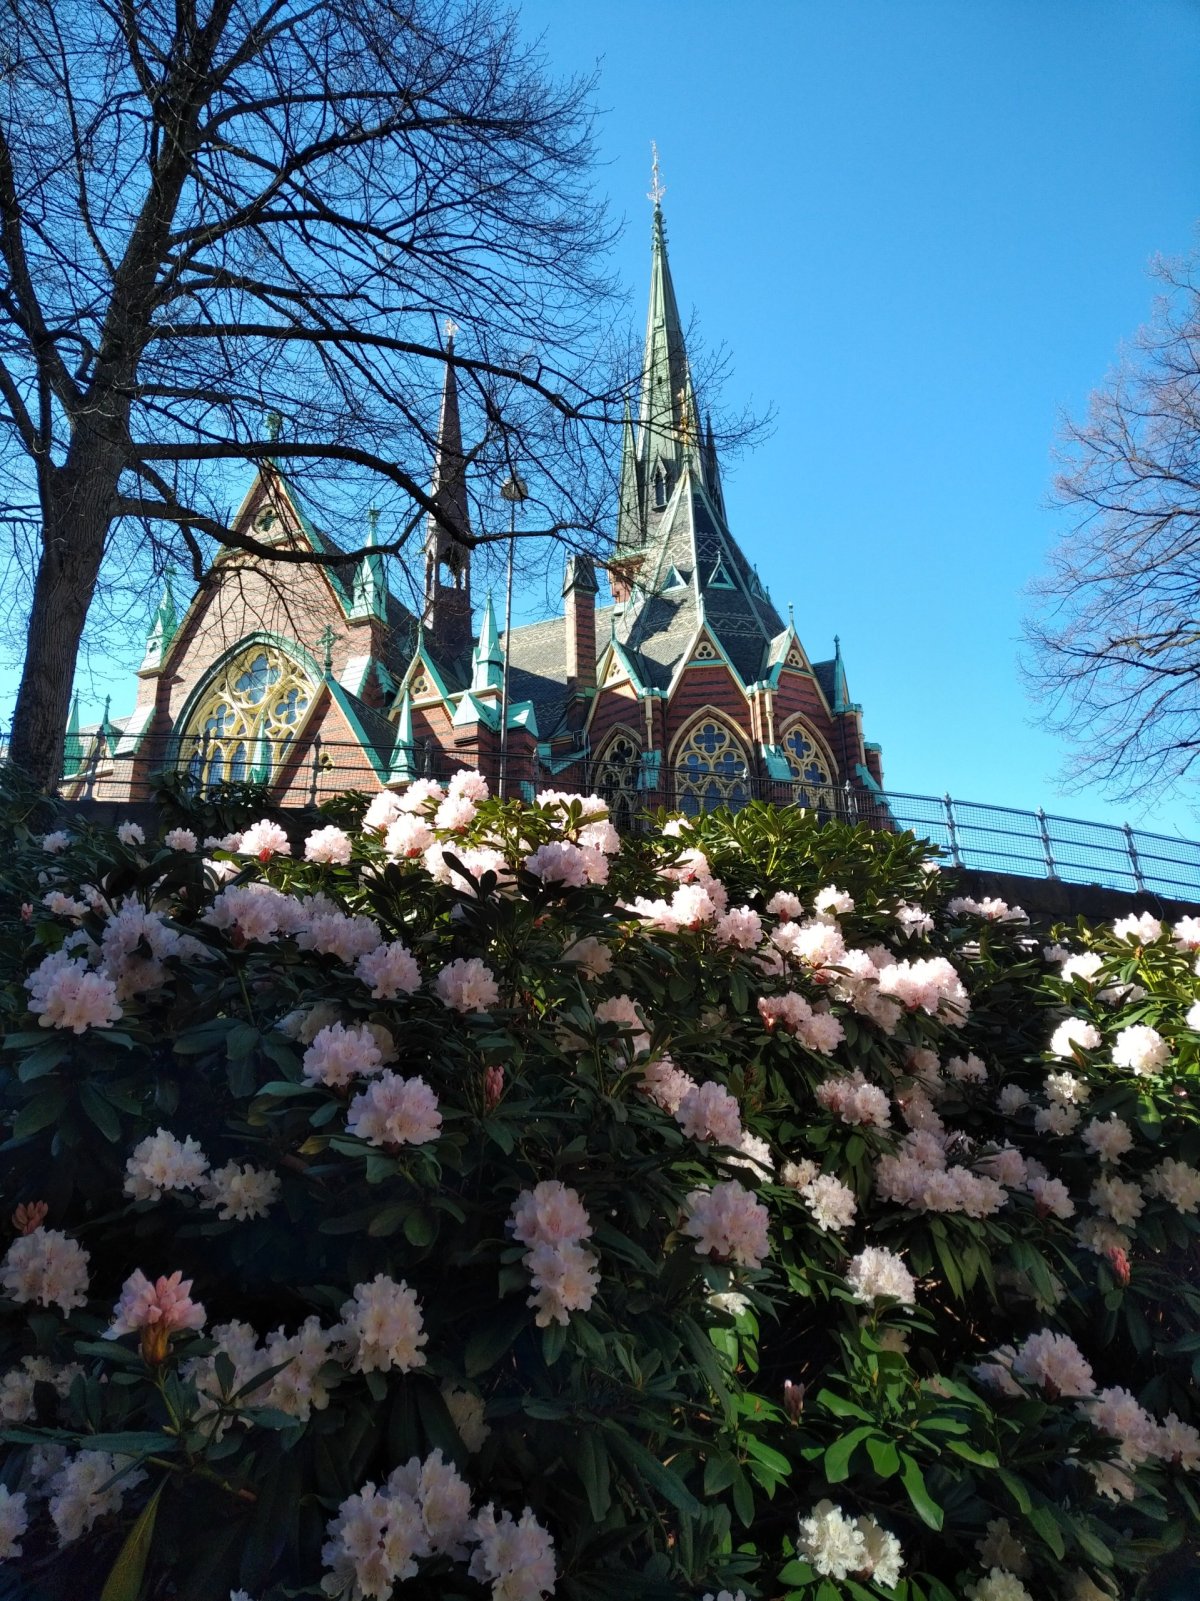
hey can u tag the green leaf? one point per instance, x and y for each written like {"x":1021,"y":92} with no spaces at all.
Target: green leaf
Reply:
{"x":885,"y":1459}
{"x":1046,"y":1524}
{"x":656,"y":1474}
{"x":594,"y":1475}
{"x":492,"y":1337}
{"x":837,"y":1457}
{"x":124,"y":1582}
{"x":100,"y":1113}
{"x":1016,"y":1488}
{"x":39,"y":1113}
{"x":923,"y":1503}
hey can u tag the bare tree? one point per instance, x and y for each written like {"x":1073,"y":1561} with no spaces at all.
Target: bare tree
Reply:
{"x":216,"y":210}
{"x":1115,"y":646}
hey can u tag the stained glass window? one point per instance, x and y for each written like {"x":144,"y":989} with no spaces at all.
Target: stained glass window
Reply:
{"x":711,"y":770}
{"x":813,"y":782}
{"x":615,"y":777}
{"x":242,"y":726}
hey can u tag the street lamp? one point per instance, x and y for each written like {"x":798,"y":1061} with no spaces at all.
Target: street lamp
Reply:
{"x":514,"y":491}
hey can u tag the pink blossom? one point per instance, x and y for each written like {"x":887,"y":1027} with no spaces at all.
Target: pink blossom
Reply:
{"x":741,"y":927}
{"x":851,"y":1098}
{"x":665,"y":1084}
{"x":623,"y":1011}
{"x":709,"y":1112}
{"x":1056,"y":1364}
{"x":469,"y":783}
{"x":559,"y":862}
{"x":64,"y":994}
{"x":784,"y":905}
{"x":256,"y":912}
{"x":339,"y":1054}
{"x":819,"y":1031}
{"x":728,"y":1223}
{"x":158,"y":1310}
{"x":131,"y":834}
{"x":456,"y":813}
{"x":47,"y":1267}
{"x":390,"y":970}
{"x":336,"y":933}
{"x":549,"y":1214}
{"x":407,"y":837}
{"x":467,"y":985}
{"x":384,"y":809}
{"x":264,"y":840}
{"x":591,"y":956}
{"x":328,"y":845}
{"x":55,"y":843}
{"x":395,"y":1111}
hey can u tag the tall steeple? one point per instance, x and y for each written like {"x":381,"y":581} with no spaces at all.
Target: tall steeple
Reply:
{"x":447,"y":615}
{"x":668,"y":433}
{"x":631,"y":519}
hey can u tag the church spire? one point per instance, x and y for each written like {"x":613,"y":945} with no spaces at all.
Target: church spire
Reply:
{"x":665,"y":378}
{"x":487,"y":659}
{"x":73,"y":745}
{"x":447,"y":550}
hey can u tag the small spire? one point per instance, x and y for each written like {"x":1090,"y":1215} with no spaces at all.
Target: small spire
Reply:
{"x":274,"y":422}
{"x":487,"y":659}
{"x":372,"y":524}
{"x":791,"y":616}
{"x":73,"y":745}
{"x":369,"y":591}
{"x":657,"y":188}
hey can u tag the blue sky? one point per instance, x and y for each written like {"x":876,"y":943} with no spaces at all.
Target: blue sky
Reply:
{"x":922,"y":229}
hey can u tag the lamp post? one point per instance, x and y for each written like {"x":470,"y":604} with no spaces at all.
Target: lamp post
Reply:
{"x":514,"y":491}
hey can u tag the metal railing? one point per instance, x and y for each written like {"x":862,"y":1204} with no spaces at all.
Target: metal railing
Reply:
{"x":971,"y":834}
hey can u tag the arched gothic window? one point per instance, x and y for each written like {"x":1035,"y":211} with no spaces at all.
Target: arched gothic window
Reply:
{"x":614,"y":778}
{"x":711,"y":769}
{"x":242,"y":725}
{"x":813,"y":785}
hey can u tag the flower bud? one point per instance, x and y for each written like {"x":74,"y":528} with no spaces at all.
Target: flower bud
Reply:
{"x":1118,"y":1261}
{"x":493,"y":1088}
{"x":793,"y":1399}
{"x":30,"y":1215}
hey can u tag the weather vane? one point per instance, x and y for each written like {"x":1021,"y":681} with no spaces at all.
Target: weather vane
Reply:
{"x":657,"y":188}
{"x":451,"y":327}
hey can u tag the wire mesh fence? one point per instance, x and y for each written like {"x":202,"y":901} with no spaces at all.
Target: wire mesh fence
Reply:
{"x":971,"y":834}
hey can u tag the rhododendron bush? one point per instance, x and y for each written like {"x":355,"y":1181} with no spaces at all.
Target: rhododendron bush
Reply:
{"x":453,"y":1199}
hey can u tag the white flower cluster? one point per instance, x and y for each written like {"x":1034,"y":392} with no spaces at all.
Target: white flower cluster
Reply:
{"x":840,"y":1547}
{"x":161,"y":1163}
{"x":551,"y":1220}
{"x":380,"y":1536}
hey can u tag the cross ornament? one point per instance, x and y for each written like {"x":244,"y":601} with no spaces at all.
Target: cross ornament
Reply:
{"x":451,"y":327}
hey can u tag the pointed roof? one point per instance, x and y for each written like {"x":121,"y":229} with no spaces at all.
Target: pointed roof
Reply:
{"x":369,"y":594}
{"x":631,"y":529}
{"x":165,"y":624}
{"x":73,"y":744}
{"x":449,"y":488}
{"x":664,"y":361}
{"x":487,"y":659}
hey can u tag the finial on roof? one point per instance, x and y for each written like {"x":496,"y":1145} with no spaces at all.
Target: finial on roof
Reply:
{"x":791,"y":615}
{"x":451,"y":328}
{"x":657,"y":188}
{"x":328,"y":638}
{"x":372,"y":523}
{"x":274,"y":422}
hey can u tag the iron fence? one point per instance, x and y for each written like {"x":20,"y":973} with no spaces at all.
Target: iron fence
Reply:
{"x":971,"y":834}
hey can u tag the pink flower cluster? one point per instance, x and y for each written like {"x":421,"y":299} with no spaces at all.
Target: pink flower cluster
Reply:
{"x":850,"y":1097}
{"x":818,"y":1031}
{"x":551,"y":1220}
{"x":728,"y":1224}
{"x":340,"y":1053}
{"x":64,"y":994}
{"x":395,"y":1111}
{"x":467,"y":985}
{"x":389,"y":970}
{"x":708,"y":1112}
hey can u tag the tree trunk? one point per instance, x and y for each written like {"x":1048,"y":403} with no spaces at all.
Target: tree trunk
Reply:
{"x":77,"y":512}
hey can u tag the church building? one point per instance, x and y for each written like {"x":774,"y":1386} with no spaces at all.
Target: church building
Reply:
{"x":687,"y":689}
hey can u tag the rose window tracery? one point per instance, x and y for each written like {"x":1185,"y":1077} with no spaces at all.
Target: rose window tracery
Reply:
{"x":242,"y":727}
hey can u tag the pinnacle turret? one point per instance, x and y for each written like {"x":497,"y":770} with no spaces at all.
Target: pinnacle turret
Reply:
{"x":487,"y":659}
{"x":369,"y":593}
